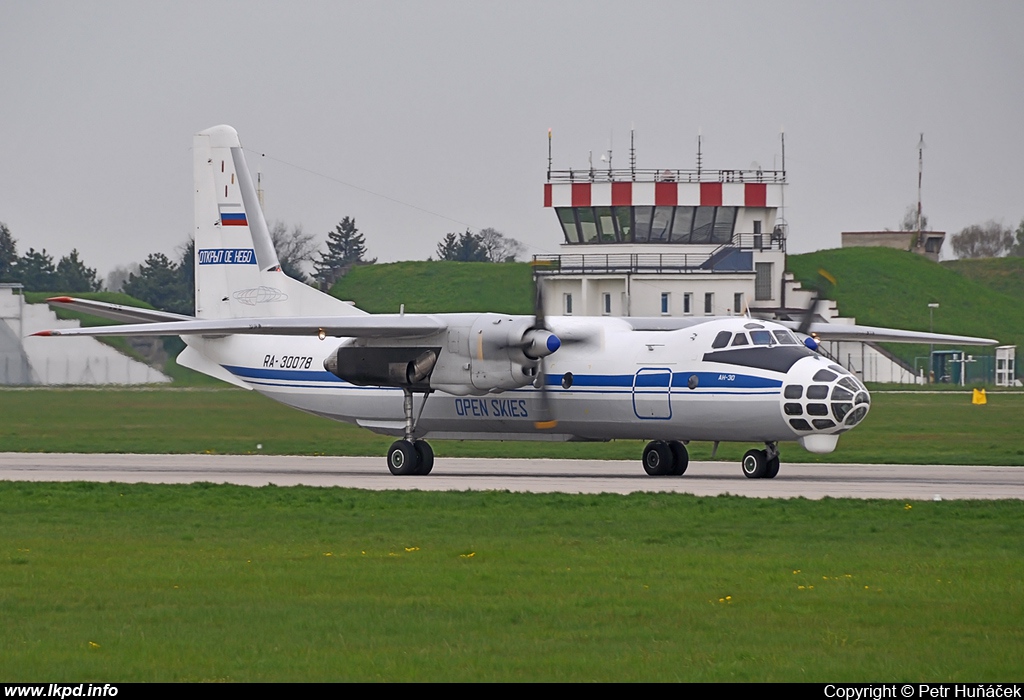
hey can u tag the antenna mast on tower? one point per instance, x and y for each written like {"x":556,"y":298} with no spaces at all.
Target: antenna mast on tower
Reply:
{"x":920,"y":170}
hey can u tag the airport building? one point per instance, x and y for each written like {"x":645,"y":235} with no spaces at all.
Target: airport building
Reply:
{"x":684,"y":243}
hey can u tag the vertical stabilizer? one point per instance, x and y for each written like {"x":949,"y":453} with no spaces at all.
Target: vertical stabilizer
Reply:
{"x":237,"y":271}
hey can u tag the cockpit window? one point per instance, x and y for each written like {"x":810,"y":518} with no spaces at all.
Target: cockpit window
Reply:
{"x":785,"y":338}
{"x":740,"y":339}
{"x":721,"y":340}
{"x":762,"y":337}
{"x":823,"y":375}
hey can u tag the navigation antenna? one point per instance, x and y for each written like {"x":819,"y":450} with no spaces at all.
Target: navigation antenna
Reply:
{"x":259,"y":189}
{"x":549,"y":155}
{"x":920,"y":169}
{"x":632,"y":154}
{"x":699,"y":155}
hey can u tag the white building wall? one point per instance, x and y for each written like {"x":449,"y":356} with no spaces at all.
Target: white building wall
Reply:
{"x":75,"y":361}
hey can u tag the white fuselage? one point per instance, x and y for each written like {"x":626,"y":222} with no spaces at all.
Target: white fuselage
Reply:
{"x":615,"y":382}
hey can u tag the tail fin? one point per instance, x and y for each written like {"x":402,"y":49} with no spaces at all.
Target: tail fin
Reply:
{"x":237,"y":270}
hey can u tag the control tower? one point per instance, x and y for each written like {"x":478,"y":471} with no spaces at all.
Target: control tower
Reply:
{"x":667,"y":243}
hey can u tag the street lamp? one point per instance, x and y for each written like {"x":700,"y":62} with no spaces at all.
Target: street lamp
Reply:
{"x":931,"y":348}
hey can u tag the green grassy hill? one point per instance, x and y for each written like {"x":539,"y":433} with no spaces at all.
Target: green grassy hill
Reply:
{"x":1005,"y":275}
{"x":884,"y":287}
{"x":438,"y":287}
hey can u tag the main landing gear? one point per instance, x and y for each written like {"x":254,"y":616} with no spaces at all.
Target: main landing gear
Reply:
{"x":410,"y":456}
{"x":670,"y":458}
{"x":762,"y":464}
{"x":665,"y":458}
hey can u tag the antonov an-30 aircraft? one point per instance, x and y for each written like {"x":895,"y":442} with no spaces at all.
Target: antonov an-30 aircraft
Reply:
{"x":487,"y":375}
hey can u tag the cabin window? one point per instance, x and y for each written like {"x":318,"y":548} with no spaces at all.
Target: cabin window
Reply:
{"x":740,"y":339}
{"x":793,"y":409}
{"x":823,"y":375}
{"x":793,"y":391}
{"x":799,"y":424}
{"x":762,"y":337}
{"x":721,"y":340}
{"x":785,"y":338}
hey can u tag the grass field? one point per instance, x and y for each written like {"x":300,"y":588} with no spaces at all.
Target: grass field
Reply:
{"x":117,"y":582}
{"x":911,"y":428}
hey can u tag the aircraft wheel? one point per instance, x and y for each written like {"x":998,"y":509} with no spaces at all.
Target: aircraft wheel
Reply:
{"x":772,"y":468}
{"x":425,"y":457}
{"x":402,"y":458}
{"x":680,"y":458}
{"x":657,"y":458}
{"x":755,"y":463}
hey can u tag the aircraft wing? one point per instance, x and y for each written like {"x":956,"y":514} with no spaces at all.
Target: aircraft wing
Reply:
{"x":370,"y":326}
{"x":873,"y":334}
{"x":115,"y":312}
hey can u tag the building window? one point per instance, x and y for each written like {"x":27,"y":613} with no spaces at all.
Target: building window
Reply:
{"x":568,"y":304}
{"x":687,"y":303}
{"x":606,"y":303}
{"x":709,"y":303}
{"x":763,"y":281}
{"x":737,"y":303}
{"x":665,"y":306}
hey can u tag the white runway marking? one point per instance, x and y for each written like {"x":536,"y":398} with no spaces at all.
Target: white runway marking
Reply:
{"x":905,"y":482}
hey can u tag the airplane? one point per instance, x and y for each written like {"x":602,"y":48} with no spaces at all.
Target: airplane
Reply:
{"x":492,"y":376}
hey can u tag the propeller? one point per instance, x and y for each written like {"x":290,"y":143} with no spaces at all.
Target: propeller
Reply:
{"x":545,"y":420}
{"x":824,"y":279}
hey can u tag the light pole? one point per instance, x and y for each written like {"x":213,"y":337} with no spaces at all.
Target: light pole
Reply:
{"x":931,"y":348}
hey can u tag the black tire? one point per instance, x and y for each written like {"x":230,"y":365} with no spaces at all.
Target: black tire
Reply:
{"x":680,"y":458}
{"x":772,"y":469}
{"x":657,"y":458}
{"x":402,"y":458}
{"x":755,"y":463}
{"x":425,"y":456}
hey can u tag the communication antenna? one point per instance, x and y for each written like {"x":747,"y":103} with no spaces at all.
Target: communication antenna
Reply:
{"x":699,"y":154}
{"x":549,"y":155}
{"x":920,"y":169}
{"x":259,"y":189}
{"x":632,"y":153}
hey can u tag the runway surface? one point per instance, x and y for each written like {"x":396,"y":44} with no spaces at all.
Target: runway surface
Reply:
{"x":905,"y":482}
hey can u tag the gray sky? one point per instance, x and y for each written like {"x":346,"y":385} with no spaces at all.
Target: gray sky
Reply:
{"x":445,"y":106}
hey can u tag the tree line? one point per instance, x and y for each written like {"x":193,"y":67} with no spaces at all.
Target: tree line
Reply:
{"x":169,"y":283}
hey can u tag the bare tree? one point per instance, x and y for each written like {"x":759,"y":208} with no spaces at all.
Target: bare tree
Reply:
{"x":988,"y":240}
{"x":909,"y":222}
{"x":499,"y":247}
{"x":119,"y":275}
{"x":295,"y":249}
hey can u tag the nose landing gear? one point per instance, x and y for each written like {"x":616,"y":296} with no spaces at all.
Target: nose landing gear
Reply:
{"x":762,"y":464}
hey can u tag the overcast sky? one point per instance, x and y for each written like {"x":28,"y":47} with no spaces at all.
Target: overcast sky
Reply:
{"x":445,"y":107}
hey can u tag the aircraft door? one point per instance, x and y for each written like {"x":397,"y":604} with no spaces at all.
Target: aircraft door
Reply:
{"x":652,"y":393}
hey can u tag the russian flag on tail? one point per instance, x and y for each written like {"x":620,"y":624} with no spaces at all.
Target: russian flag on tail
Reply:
{"x":232,"y":215}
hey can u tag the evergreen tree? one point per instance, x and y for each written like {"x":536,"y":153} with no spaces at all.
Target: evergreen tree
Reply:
{"x":346,"y":247}
{"x":8,"y":254}
{"x":159,"y":283}
{"x":463,"y":247}
{"x":36,"y":272}
{"x":74,"y":276}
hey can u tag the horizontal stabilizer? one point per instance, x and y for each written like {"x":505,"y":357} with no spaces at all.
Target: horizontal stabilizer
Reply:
{"x":115,"y":312}
{"x":872,"y":334}
{"x":368,"y":326}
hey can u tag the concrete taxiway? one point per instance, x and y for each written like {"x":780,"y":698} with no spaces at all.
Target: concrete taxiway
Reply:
{"x":905,"y":482}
